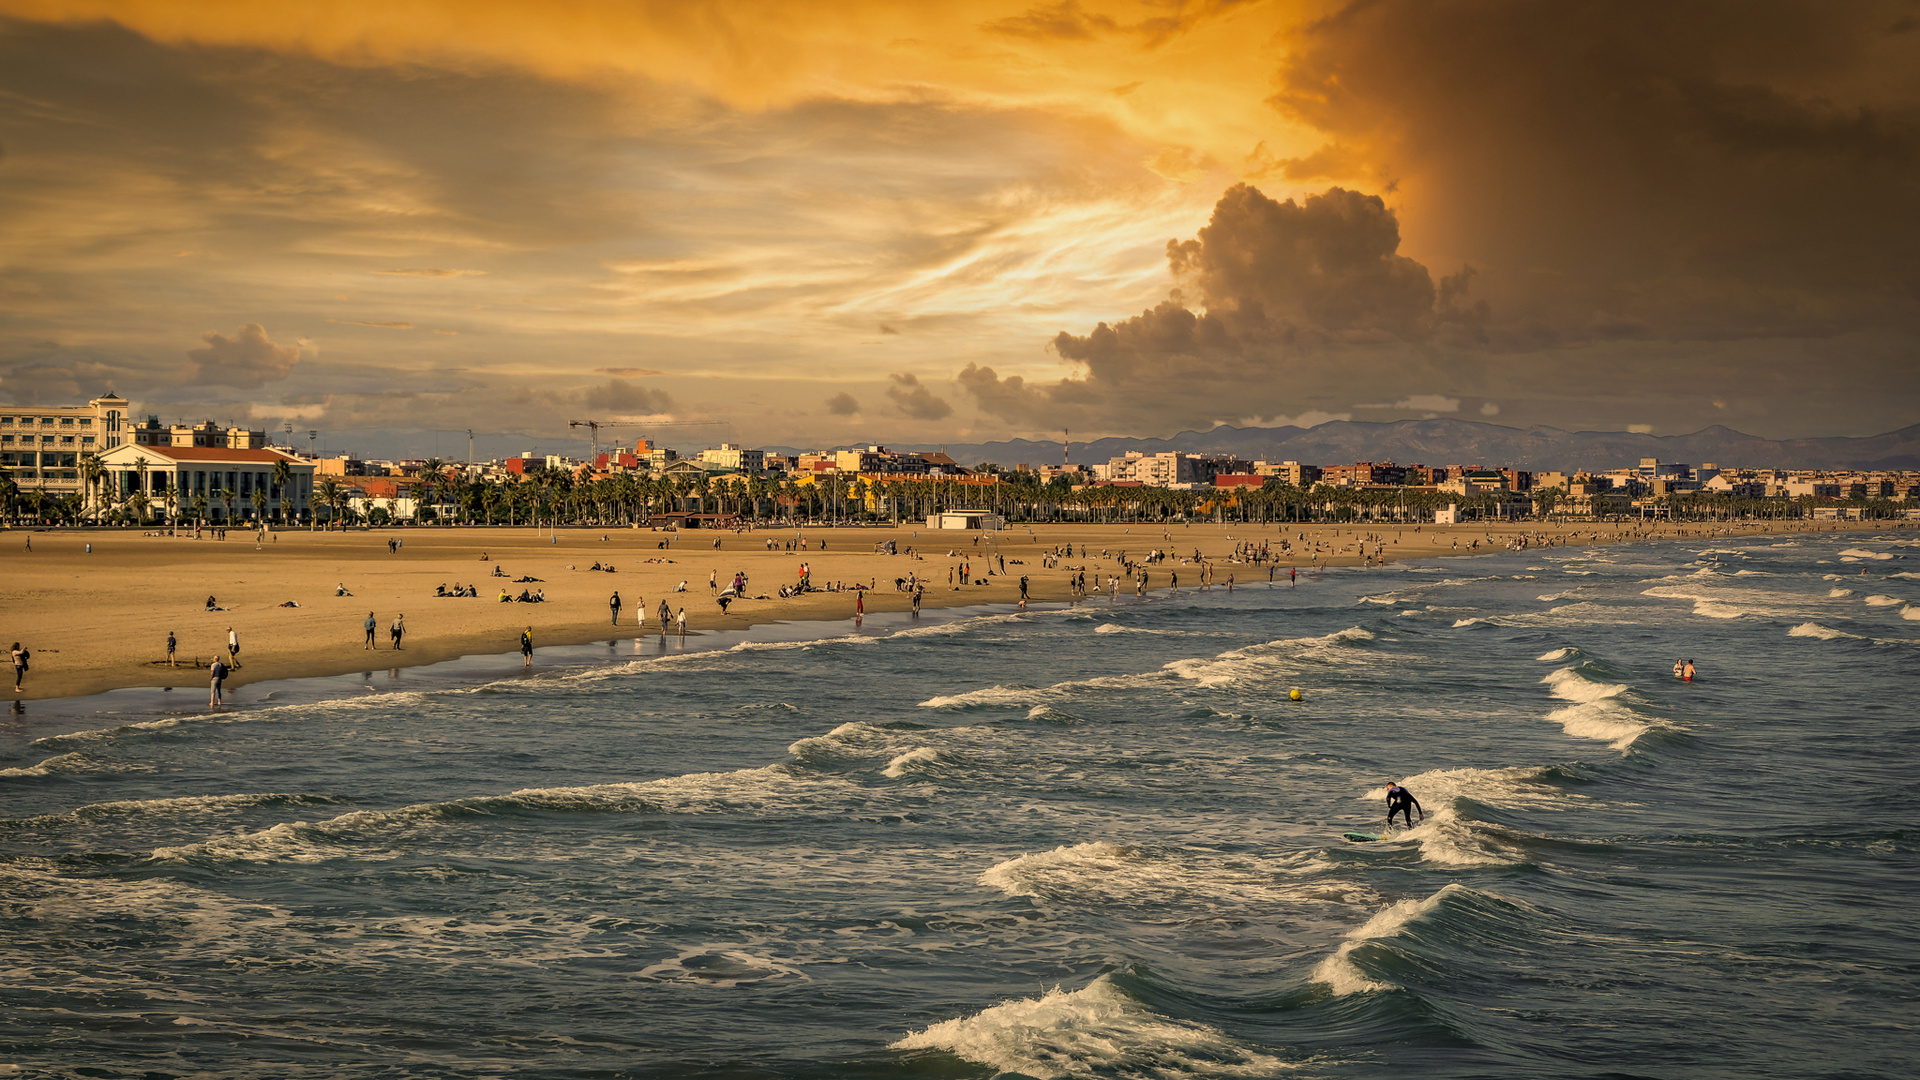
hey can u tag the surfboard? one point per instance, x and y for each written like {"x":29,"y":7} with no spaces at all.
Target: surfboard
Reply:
{"x":1362,"y":837}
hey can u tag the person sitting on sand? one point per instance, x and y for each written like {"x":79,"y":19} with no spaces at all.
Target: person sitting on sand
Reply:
{"x":341,"y":590}
{"x":211,"y":606}
{"x":504,"y":598}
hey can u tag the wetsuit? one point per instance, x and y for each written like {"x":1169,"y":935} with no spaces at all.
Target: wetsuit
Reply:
{"x":1401,"y":801}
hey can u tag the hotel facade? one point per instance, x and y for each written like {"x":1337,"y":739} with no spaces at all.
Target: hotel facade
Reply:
{"x":180,"y":472}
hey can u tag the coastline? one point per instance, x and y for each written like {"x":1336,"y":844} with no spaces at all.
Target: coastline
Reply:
{"x":115,"y":605}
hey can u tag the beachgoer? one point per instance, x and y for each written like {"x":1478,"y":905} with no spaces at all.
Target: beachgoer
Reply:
{"x":1401,"y":801}
{"x":219,"y":672}
{"x":171,"y":643}
{"x":613,"y":604}
{"x":398,"y":630}
{"x":20,"y":658}
{"x":233,"y":647}
{"x":370,"y":624}
{"x":1679,"y":669}
{"x":526,"y":647}
{"x":681,"y":619}
{"x":1687,"y":674}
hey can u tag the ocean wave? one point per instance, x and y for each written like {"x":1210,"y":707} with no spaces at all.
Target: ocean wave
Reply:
{"x":916,"y":760}
{"x":1721,"y":602}
{"x":1446,"y":837}
{"x":1116,"y":628}
{"x":1566,"y":653}
{"x":1905,"y":574}
{"x":1824,"y":633}
{"x":1339,"y":972}
{"x":1910,"y":613}
{"x":1880,"y":600}
{"x":1863,"y":553}
{"x":1285,"y":657}
{"x":1596,"y":712}
{"x":76,"y":763}
{"x":1108,"y":874}
{"x":1098,"y":1030}
{"x":1838,"y":593}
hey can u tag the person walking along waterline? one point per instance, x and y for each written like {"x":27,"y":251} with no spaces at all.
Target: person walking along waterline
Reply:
{"x":233,"y":648}
{"x":370,"y":626}
{"x":526,"y":647}
{"x":398,"y":630}
{"x":218,"y":669}
{"x":613,"y":604}
{"x":171,"y":645}
{"x":20,"y":656}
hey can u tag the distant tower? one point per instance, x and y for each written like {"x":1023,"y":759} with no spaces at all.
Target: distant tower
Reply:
{"x":1066,"y":449}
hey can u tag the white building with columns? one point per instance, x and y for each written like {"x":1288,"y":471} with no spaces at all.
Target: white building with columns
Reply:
{"x":173,"y":477}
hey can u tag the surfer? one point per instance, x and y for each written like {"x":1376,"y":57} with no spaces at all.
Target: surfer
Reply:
{"x":1401,"y":801}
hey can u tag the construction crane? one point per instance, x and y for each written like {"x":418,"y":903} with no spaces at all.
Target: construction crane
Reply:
{"x":593,"y":427}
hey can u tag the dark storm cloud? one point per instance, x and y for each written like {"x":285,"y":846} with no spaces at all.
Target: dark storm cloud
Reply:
{"x":622,"y":398}
{"x":247,"y":359}
{"x":1704,"y":170}
{"x":915,"y":401}
{"x":842,"y":405}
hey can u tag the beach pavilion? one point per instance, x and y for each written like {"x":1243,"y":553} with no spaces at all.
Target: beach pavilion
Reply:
{"x":175,"y":479}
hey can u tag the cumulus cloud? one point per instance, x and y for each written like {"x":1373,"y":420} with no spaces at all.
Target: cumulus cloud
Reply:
{"x":914,"y":400}
{"x":1271,"y":298}
{"x":1309,"y":419}
{"x":842,"y":405}
{"x":1490,"y":409}
{"x":622,"y":398}
{"x":247,"y":359}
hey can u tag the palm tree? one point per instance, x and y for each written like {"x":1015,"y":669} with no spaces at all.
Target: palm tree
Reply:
{"x":199,"y":508}
{"x":282,"y":475}
{"x":226,"y":496}
{"x":141,"y":467}
{"x":92,"y":471}
{"x":332,"y":494}
{"x":259,"y":504}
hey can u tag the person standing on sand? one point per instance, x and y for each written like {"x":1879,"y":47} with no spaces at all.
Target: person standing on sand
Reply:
{"x":233,"y":648}
{"x":613,"y":604}
{"x":681,"y":618}
{"x":218,"y":669}
{"x":19,"y":665}
{"x":170,"y":647}
{"x":398,"y":630}
{"x":526,"y":647}
{"x":666,"y":617}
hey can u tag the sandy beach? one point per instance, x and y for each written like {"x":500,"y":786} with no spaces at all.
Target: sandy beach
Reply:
{"x":99,"y":620}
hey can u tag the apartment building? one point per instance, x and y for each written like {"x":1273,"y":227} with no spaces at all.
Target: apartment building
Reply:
{"x":41,"y":447}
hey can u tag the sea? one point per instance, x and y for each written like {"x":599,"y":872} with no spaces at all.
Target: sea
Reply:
{"x":1088,"y":840}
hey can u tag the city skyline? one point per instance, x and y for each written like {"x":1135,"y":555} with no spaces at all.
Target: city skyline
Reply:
{"x":836,"y":224}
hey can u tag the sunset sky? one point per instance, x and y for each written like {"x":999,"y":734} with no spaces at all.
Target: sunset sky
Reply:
{"x":841,"y":221}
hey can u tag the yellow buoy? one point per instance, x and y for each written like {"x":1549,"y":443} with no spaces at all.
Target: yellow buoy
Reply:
{"x":1295,"y":694}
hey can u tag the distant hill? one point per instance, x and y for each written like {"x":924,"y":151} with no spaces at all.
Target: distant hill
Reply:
{"x":1470,"y":442}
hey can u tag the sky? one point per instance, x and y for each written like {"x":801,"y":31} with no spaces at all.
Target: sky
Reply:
{"x":840,"y":222}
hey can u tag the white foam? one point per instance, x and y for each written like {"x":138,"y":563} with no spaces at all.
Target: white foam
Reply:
{"x":1905,"y":574}
{"x":1596,"y":712}
{"x":1116,"y":628}
{"x":1862,"y":553}
{"x":1339,"y":972}
{"x":1910,"y":613}
{"x":1458,"y":623}
{"x":915,"y":760}
{"x":1838,"y":593}
{"x":710,"y":965}
{"x":1094,"y":1031}
{"x":1111,"y":874}
{"x":1879,"y":600}
{"x":1824,"y":633}
{"x":1569,"y":685}
{"x":1557,"y":654}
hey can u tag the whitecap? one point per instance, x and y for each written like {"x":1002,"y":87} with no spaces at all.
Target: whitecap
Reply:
{"x":713,"y":965}
{"x":1107,"y":874}
{"x":1097,"y":1030}
{"x":1824,"y":633}
{"x":1884,"y":601}
{"x":1838,"y":593}
{"x":1910,"y":613}
{"x":915,"y":760}
{"x":1338,"y":971}
{"x":1558,"y":654}
{"x":1862,"y":553}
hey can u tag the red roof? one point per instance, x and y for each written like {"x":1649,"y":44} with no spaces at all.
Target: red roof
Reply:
{"x":1238,"y":480}
{"x":219,"y":453}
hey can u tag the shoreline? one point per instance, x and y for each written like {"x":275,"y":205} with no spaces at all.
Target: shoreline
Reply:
{"x":328,"y":629}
